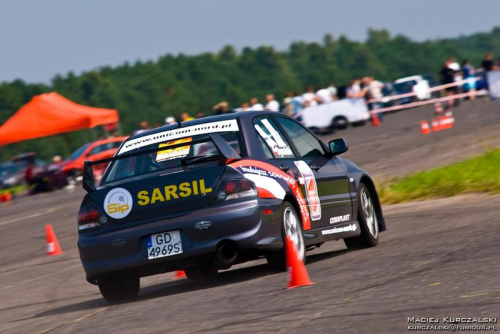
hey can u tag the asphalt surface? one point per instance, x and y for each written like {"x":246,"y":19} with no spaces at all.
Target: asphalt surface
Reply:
{"x":439,"y":258}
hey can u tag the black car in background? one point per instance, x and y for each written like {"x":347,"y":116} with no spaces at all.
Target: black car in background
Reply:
{"x":215,"y":192}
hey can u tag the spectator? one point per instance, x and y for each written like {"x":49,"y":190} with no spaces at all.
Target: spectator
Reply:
{"x":447,"y":74}
{"x":354,"y":89}
{"x":309,"y":97}
{"x":324,"y":95}
{"x":200,"y":114}
{"x":170,"y":120}
{"x":255,"y":105}
{"x":272,"y":104}
{"x":297,"y":103}
{"x":468,"y":74}
{"x":245,"y":106}
{"x":487,"y":64}
{"x":221,"y":108}
{"x":287,"y":103}
{"x":374,"y":91}
{"x":185,"y":117}
{"x":144,"y":126}
{"x":333,"y":90}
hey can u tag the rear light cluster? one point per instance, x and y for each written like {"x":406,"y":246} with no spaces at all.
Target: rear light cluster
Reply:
{"x":234,"y":189}
{"x":90,"y":217}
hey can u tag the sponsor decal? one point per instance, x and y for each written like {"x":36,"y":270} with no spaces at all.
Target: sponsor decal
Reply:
{"x":174,"y":153}
{"x":271,"y":182}
{"x":340,"y":219}
{"x":203,"y":225}
{"x":274,"y":141}
{"x":118,"y":203}
{"x":348,"y":228}
{"x":173,"y":191}
{"x":213,"y":127}
{"x":310,"y":188}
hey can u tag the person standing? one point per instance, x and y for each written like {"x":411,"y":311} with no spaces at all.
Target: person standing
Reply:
{"x":272,"y":104}
{"x":468,"y":74}
{"x":255,"y":105}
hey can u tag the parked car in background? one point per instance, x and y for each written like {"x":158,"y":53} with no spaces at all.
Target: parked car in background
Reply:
{"x":39,"y":175}
{"x":10,"y":175}
{"x":416,"y":84}
{"x":72,"y":167}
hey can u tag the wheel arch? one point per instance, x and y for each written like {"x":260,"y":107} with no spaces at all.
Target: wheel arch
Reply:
{"x":368,"y":182}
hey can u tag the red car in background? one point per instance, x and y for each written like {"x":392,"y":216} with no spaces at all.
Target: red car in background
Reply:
{"x":72,"y":167}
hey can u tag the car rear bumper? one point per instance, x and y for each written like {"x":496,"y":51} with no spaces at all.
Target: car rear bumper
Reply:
{"x":113,"y":250}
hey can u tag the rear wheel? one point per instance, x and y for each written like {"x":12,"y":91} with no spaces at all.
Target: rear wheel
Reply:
{"x":368,"y":221}
{"x":340,"y":122}
{"x":291,"y":227}
{"x":119,"y":289}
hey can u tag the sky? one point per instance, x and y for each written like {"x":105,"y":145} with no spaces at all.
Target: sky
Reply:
{"x":39,"y":39}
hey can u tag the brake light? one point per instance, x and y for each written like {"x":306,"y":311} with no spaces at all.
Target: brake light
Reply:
{"x":234,"y":189}
{"x":90,"y":217}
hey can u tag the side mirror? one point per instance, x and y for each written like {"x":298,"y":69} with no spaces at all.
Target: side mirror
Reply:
{"x":88,"y":182}
{"x":338,"y":146}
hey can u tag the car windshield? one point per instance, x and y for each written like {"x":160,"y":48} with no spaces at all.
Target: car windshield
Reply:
{"x":78,"y":152}
{"x":197,"y":149}
{"x":7,"y":170}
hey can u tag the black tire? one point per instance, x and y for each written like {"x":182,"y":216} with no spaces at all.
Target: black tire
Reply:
{"x":291,"y":225}
{"x":201,"y":272}
{"x":72,"y":176}
{"x":368,"y":221}
{"x":119,"y":289}
{"x":340,"y":123}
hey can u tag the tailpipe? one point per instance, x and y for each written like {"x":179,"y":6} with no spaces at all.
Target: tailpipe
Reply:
{"x":227,"y":252}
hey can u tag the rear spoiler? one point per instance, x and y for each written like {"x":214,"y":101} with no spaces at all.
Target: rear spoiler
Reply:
{"x":226,"y":155}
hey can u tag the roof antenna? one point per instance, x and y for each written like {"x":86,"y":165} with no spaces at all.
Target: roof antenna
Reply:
{"x":179,"y":123}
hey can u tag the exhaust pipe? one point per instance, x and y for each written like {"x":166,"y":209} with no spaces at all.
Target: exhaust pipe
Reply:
{"x":227,"y":252}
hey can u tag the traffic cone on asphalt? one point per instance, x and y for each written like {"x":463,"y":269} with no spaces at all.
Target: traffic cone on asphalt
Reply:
{"x":375,"y":120}
{"x":435,"y":125}
{"x":53,"y":247}
{"x":179,"y":274}
{"x":438,"y":108}
{"x":451,"y":119}
{"x":424,"y":127}
{"x":297,"y":273}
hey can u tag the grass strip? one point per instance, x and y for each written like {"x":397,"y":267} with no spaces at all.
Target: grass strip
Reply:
{"x":479,"y":174}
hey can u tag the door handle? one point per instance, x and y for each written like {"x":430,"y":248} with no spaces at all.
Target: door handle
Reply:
{"x":314,"y":167}
{"x":284,"y":168}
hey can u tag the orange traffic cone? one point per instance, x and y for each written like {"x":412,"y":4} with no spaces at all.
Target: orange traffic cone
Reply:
{"x":296,"y":270}
{"x":2,"y":197}
{"x":435,"y":125}
{"x":438,"y":108}
{"x":424,"y":127}
{"x":179,"y":274}
{"x":375,"y":120}
{"x":7,"y":197}
{"x":451,"y":119}
{"x":53,"y":247}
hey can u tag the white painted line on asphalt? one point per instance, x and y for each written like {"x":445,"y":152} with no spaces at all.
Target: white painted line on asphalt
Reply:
{"x":15,"y":220}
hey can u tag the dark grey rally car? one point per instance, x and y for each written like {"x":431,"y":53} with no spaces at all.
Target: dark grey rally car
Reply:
{"x":206,"y":194}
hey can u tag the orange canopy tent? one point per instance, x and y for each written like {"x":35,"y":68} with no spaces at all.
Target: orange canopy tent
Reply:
{"x":50,"y":114}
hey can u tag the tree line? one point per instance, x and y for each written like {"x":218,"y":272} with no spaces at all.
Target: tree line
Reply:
{"x":148,"y":90}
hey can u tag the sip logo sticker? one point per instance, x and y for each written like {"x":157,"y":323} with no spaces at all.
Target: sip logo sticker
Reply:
{"x":118,"y":203}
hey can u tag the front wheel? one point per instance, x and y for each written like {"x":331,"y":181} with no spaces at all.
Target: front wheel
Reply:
{"x":368,"y":221}
{"x":119,"y":289}
{"x":291,"y":227}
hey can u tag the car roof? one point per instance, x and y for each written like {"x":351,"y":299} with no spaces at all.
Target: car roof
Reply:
{"x":108,"y":140}
{"x":243,"y":116}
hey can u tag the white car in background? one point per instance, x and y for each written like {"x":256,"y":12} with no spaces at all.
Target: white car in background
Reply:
{"x":414,"y":83}
{"x":335,"y":115}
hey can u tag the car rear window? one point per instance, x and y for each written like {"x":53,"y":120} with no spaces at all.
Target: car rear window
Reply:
{"x":192,"y":150}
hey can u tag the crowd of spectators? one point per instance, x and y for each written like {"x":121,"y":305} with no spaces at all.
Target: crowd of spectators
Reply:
{"x":368,"y":88}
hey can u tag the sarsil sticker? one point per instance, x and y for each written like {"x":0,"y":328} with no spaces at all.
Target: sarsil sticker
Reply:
{"x":311,"y":189}
{"x":174,"y":153}
{"x":118,"y":203}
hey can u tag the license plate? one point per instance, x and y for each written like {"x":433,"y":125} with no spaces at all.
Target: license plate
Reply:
{"x":164,"y":244}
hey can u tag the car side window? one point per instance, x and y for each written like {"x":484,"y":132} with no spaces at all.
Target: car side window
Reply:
{"x":273,"y":138}
{"x":307,"y":145}
{"x":99,"y":149}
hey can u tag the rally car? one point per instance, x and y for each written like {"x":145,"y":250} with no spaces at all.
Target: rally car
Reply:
{"x":203,"y":195}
